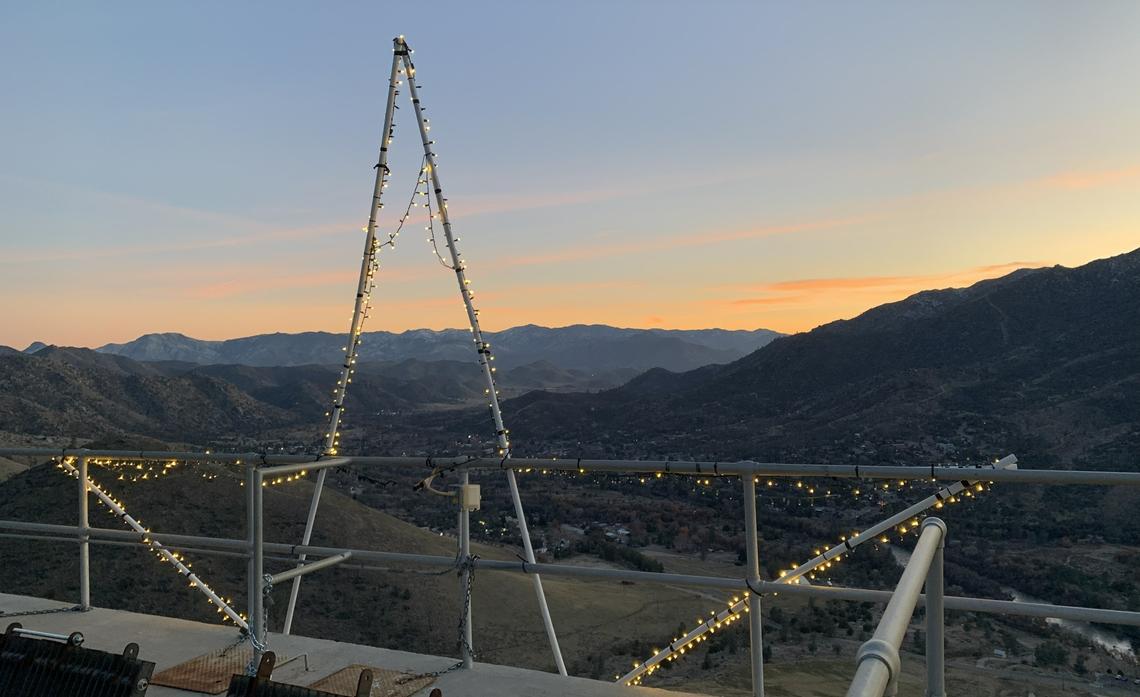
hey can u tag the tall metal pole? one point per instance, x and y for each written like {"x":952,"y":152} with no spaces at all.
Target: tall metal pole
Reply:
{"x":84,"y":543}
{"x":752,"y":555}
{"x":465,"y":578}
{"x":482,"y":347}
{"x":936,"y":622}
{"x":365,"y":283}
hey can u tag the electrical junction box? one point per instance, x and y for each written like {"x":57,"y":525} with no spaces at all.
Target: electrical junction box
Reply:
{"x":469,"y":496}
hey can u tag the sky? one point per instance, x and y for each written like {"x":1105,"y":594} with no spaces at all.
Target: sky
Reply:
{"x":206,"y":167}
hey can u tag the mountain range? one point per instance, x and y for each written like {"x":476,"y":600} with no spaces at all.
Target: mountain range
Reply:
{"x":1043,"y":361}
{"x":593,"y":347}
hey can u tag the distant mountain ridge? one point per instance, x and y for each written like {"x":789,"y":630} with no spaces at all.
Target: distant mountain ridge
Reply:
{"x":576,"y":347}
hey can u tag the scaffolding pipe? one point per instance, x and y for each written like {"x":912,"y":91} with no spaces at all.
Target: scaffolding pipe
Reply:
{"x":483,"y":348}
{"x":364,"y":285}
{"x":752,"y":555}
{"x":467,"y":642}
{"x":309,"y":568}
{"x":258,"y":622}
{"x":84,"y":544}
{"x":936,"y":623}
{"x":703,"y":468}
{"x":877,"y":661}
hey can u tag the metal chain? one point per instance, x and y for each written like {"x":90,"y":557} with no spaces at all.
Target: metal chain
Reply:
{"x":27,"y":613}
{"x":467,"y":565}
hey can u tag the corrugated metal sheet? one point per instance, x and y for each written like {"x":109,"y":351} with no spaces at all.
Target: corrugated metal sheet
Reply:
{"x":45,"y":668}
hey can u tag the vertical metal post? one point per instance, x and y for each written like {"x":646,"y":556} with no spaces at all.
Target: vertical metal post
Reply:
{"x":365,"y":283}
{"x":257,"y":623}
{"x":752,"y":554}
{"x":250,"y":523}
{"x":465,"y":578}
{"x":935,"y":626}
{"x":481,"y":346}
{"x":84,"y":544}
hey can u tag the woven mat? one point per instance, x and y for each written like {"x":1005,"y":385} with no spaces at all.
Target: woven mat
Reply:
{"x":385,"y":683}
{"x":209,"y":673}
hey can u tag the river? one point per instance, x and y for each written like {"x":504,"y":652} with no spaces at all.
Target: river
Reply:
{"x":1117,"y":645}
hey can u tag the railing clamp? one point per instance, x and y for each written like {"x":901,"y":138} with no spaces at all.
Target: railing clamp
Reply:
{"x":881,"y":650}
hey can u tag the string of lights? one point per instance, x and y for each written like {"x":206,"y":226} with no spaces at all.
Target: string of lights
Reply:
{"x":223,"y":605}
{"x":904,"y":522}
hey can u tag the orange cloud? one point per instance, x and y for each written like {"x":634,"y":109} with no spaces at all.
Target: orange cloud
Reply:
{"x":814,"y":289}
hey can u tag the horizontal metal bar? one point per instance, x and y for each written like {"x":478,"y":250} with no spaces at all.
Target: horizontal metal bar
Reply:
{"x":289,"y":552}
{"x":283,"y":470}
{"x":75,"y":638}
{"x":198,"y":456}
{"x":701,"y":468}
{"x":309,"y":568}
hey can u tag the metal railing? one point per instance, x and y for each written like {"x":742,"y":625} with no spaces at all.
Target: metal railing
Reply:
{"x":877,"y":667}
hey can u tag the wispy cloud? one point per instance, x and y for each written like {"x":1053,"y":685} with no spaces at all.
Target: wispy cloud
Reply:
{"x":1090,"y":179}
{"x":808,"y":290}
{"x":696,"y":239}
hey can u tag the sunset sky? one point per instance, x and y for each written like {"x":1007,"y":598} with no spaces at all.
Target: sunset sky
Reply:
{"x":206,"y":168}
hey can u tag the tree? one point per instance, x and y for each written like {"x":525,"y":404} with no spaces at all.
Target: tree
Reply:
{"x":1050,"y":653}
{"x":1079,"y":666}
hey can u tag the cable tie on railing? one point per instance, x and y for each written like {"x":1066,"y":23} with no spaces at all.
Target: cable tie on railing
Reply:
{"x":748,"y":582}
{"x":522,"y":559}
{"x":857,"y":472}
{"x":715,"y":471}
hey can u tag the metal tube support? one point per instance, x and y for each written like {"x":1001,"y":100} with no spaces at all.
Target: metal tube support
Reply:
{"x":365,"y":283}
{"x":258,"y":627}
{"x":250,"y":523}
{"x":467,"y":648}
{"x":482,"y":347}
{"x":877,"y":663}
{"x":309,"y":568}
{"x":84,"y":544}
{"x":535,"y":579}
{"x":752,"y":555}
{"x":936,"y":623}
